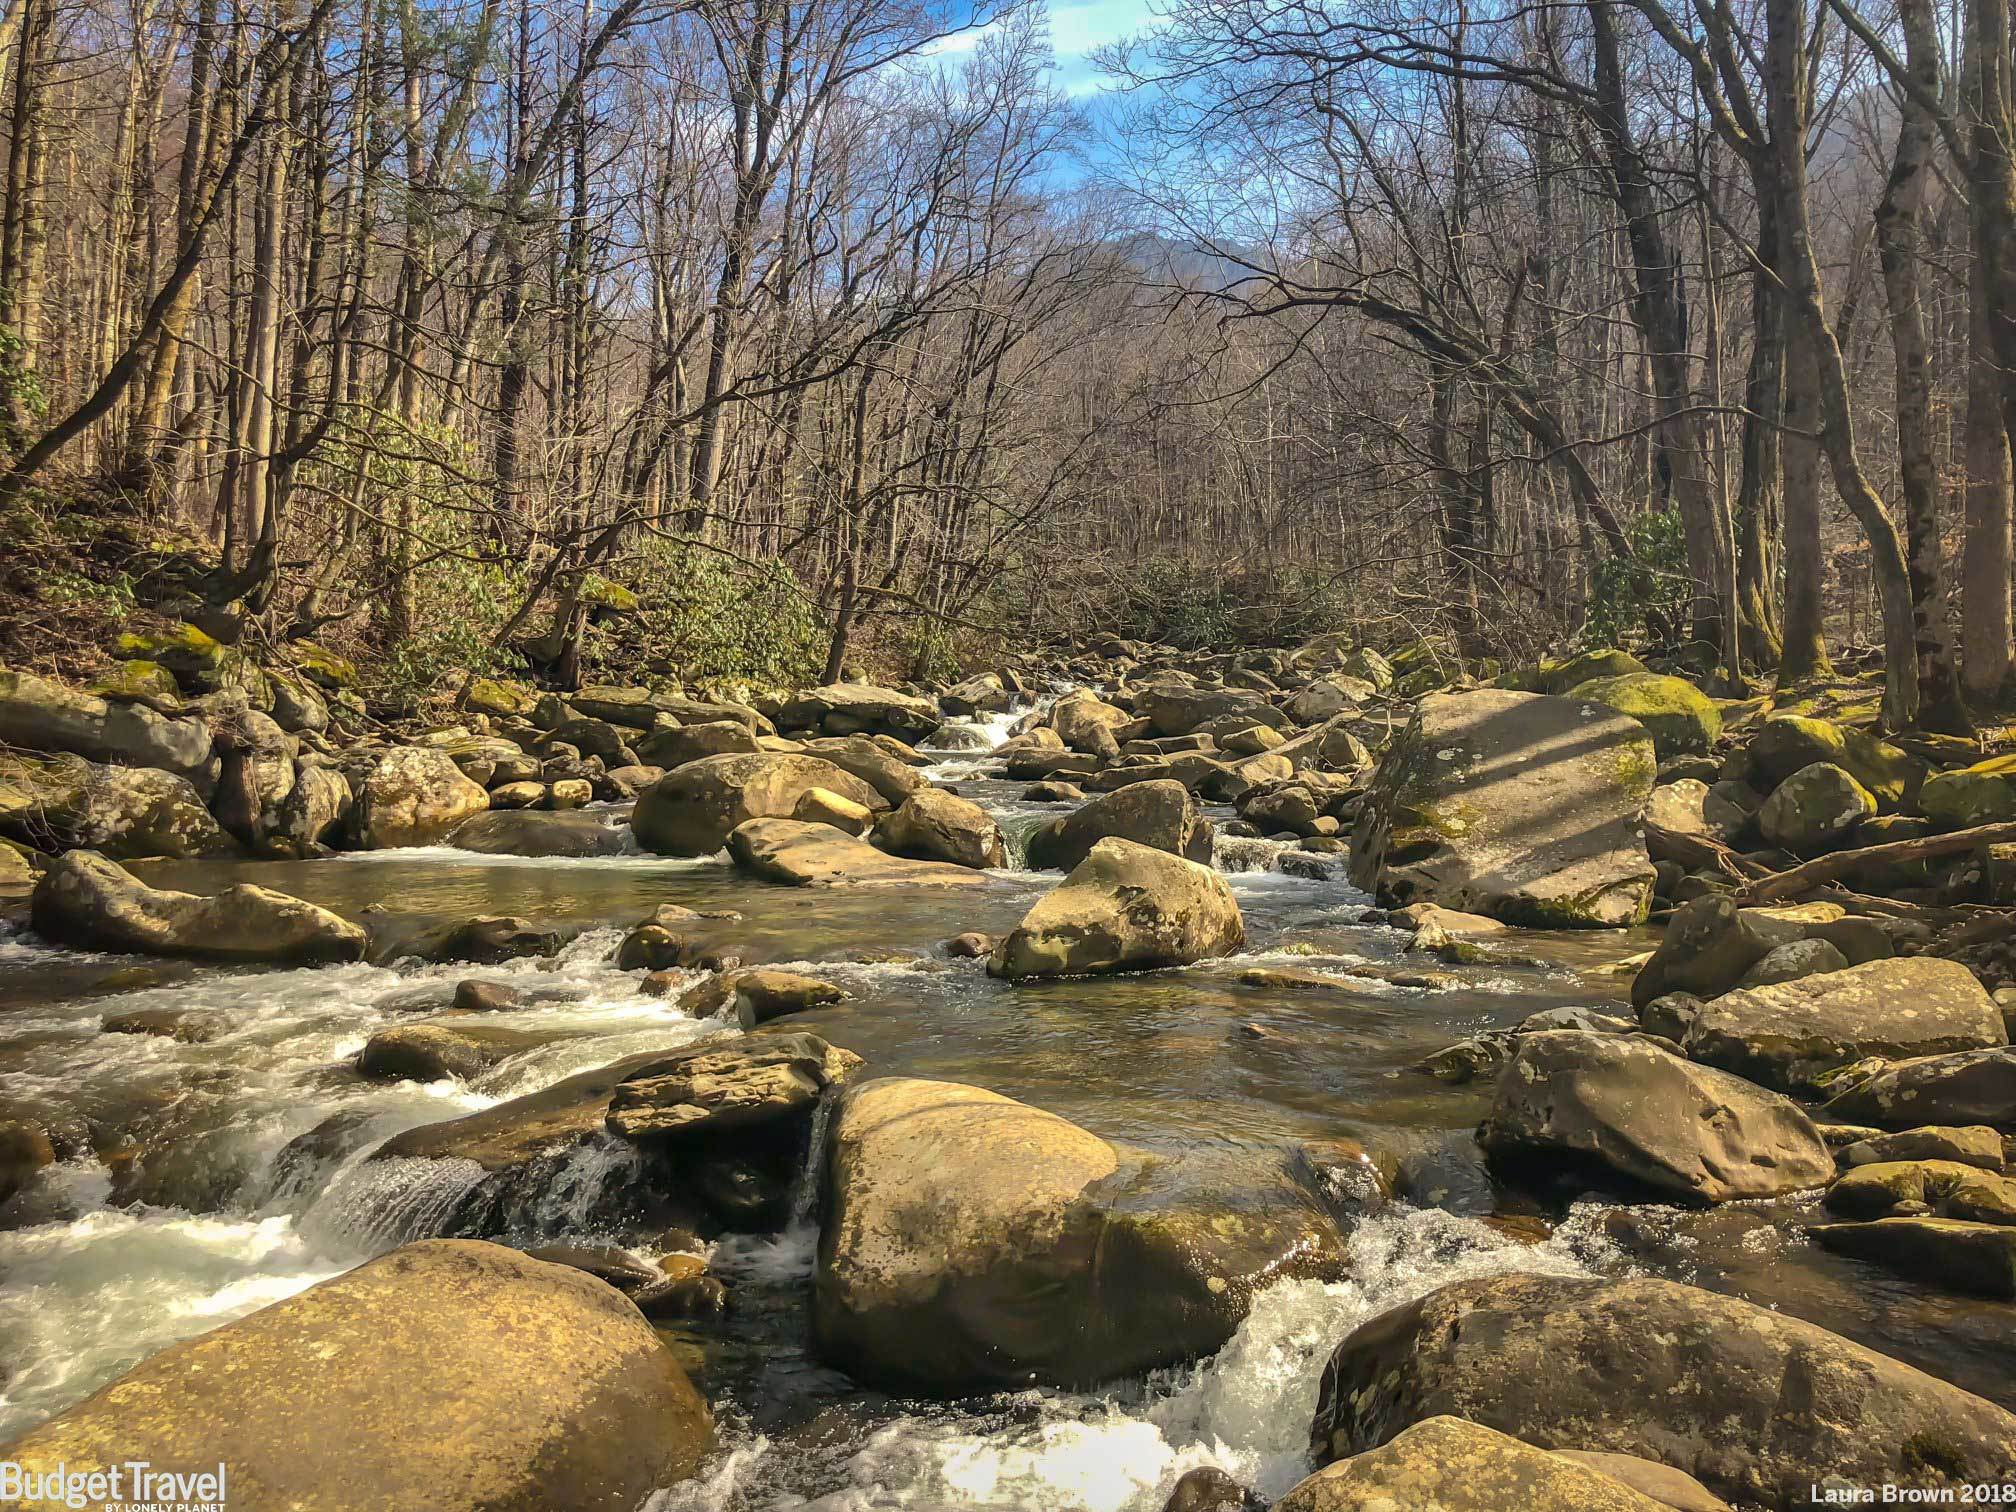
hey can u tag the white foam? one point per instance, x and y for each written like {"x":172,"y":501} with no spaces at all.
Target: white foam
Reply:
{"x":1247,"y":1410}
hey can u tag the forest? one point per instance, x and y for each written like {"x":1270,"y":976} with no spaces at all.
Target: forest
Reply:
{"x":467,"y":328}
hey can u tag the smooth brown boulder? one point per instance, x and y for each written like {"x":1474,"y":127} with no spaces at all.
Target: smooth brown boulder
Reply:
{"x":692,"y":810}
{"x":92,"y":903}
{"x":451,"y":1375}
{"x":1755,"y":1405}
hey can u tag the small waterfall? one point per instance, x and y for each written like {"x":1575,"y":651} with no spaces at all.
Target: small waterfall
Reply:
{"x":571,"y":1193}
{"x":811,"y":1176}
{"x":379,"y":1204}
{"x":1247,"y":853}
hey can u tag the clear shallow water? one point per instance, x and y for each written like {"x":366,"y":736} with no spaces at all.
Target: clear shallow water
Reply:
{"x":195,"y":1197}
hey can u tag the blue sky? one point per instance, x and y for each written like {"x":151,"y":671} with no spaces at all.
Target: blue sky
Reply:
{"x":1076,"y":28}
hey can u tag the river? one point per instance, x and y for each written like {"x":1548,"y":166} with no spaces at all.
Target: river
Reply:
{"x":209,"y":1197}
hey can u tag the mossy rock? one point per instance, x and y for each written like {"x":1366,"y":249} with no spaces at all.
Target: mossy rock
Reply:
{"x":1814,"y":809}
{"x":598,"y":592}
{"x":1559,"y":677}
{"x":324,"y":667}
{"x":1370,"y":665}
{"x":136,"y":681}
{"x":1958,"y":800}
{"x":1679,"y":716}
{"x":1423,"y":680}
{"x":185,"y":650}
{"x":1422,"y":655}
{"x":1786,"y":743}
{"x":496,"y":695}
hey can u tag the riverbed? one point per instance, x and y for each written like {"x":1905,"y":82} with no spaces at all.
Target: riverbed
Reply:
{"x":212,"y":1193}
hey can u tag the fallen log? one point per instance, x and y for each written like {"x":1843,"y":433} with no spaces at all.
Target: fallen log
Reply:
{"x":1696,"y":851}
{"x":1811,"y":874}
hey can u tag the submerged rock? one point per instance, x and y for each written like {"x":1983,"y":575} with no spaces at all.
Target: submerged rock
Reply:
{"x":87,"y":901}
{"x":1643,"y":1113}
{"x":1955,"y":1253}
{"x":1516,"y":805}
{"x":1758,"y":1406}
{"x":540,"y":832}
{"x":976,"y":1242}
{"x":1125,"y":907}
{"x":456,"y":1376}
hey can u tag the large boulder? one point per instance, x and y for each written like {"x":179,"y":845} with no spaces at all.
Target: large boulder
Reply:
{"x":1629,"y":1106}
{"x":802,"y":854}
{"x":39,"y":715}
{"x":451,"y":1375}
{"x":1758,"y":1406}
{"x":646,"y":709}
{"x":1125,"y":907}
{"x":874,"y":763}
{"x":1711,"y":944}
{"x":1444,"y":1464}
{"x":412,"y":795}
{"x":1784,"y":743}
{"x":934,"y":825}
{"x":1789,"y":1035}
{"x":1517,"y":805}
{"x":1679,"y":716}
{"x":1815,"y":809}
{"x":683,"y":743}
{"x":850,"y":708}
{"x":65,"y":802}
{"x":1160,"y":813}
{"x":539,"y":832}
{"x":89,"y":902}
{"x":1087,"y":723}
{"x":1175,"y":708}
{"x":1969,"y":1087}
{"x":1980,"y":794}
{"x":692,"y":809}
{"x":308,"y":817}
{"x":975,"y":1242}
{"x":1585,"y":667}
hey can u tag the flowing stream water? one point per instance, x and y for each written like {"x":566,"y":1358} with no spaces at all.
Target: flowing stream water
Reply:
{"x":229,"y":1166}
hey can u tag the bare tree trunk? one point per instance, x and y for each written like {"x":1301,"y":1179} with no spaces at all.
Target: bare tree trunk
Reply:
{"x":1899,"y":228}
{"x":1785,"y":75}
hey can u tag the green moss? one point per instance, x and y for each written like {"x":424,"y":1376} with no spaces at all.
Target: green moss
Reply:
{"x":134,"y":680}
{"x":1957,"y":800}
{"x":184,"y":649}
{"x":323,"y":666}
{"x":1560,"y":676}
{"x":598,"y":592}
{"x":1678,"y":715}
